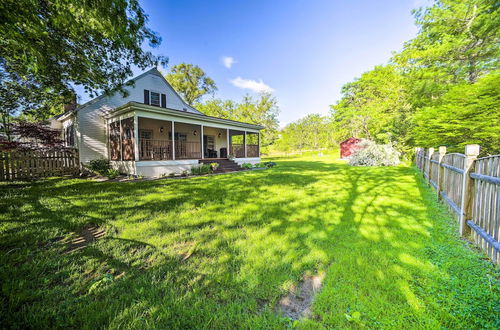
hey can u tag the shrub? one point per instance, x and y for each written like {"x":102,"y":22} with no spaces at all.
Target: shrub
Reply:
{"x":214,"y":166}
{"x":202,"y":169}
{"x":270,"y":164}
{"x":112,"y":173}
{"x":372,"y":154}
{"x":206,"y":168}
{"x":184,"y":173}
{"x":246,"y":166}
{"x":260,"y":165}
{"x":99,"y":166}
{"x":196,"y":170}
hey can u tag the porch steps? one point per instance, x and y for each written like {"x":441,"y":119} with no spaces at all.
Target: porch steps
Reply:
{"x":225,"y":165}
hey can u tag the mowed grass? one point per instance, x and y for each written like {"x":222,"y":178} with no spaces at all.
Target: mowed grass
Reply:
{"x":220,"y":252}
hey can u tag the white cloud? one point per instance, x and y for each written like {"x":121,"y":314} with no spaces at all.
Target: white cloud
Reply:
{"x":228,"y":61}
{"x":253,"y":85}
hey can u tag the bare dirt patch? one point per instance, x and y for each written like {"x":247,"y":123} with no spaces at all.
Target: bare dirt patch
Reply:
{"x":84,"y":237}
{"x":297,"y":303}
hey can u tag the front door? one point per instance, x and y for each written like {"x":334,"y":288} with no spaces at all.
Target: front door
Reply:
{"x":209,"y":146}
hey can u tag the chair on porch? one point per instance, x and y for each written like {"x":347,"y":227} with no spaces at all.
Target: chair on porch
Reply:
{"x":210,"y":153}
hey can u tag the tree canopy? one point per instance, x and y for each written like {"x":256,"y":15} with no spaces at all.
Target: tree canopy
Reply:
{"x":261,"y":110}
{"x":312,"y":132}
{"x":49,"y":47}
{"x":191,"y":82}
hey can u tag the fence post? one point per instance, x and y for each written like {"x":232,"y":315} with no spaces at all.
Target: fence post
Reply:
{"x":428,"y":165}
{"x":439,"y":183}
{"x":418,"y":157}
{"x":471,"y":153}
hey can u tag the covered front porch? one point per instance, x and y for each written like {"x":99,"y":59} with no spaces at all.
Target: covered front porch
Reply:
{"x":151,"y":139}
{"x":170,"y":140}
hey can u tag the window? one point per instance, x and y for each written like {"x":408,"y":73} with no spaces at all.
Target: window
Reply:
{"x":114,"y":141}
{"x":69,"y":136}
{"x":155,"y":99}
{"x":178,"y":136}
{"x":145,"y":134}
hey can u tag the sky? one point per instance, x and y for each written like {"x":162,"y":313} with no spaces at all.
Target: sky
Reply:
{"x":301,"y":51}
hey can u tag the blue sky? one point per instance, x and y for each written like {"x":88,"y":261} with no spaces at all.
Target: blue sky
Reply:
{"x":304,"y":51}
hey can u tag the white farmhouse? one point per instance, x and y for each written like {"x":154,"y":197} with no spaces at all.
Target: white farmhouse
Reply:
{"x":153,"y":132}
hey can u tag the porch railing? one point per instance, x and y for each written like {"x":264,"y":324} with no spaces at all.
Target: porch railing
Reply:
{"x":252,"y":150}
{"x":187,"y":150}
{"x":155,"y":149}
{"x":162,"y":150}
{"x":237,"y":150}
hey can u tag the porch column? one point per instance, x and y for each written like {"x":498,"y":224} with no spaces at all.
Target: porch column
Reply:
{"x":121,"y":139}
{"x":202,"y":148}
{"x":245,"y":143}
{"x":136,"y":138}
{"x":258,"y":137}
{"x":227,"y":138}
{"x":173,"y":140}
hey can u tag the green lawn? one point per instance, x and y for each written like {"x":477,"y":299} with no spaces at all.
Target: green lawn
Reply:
{"x":388,"y":249}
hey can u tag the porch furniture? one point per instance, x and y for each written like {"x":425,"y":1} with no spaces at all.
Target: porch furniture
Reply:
{"x":223,"y":152}
{"x":210,"y":153}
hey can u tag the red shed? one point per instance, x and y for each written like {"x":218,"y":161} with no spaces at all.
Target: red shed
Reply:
{"x":348,"y":146}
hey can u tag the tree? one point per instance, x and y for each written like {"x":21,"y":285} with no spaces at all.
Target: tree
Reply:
{"x":309,"y":133}
{"x":18,"y":93}
{"x":459,"y":38}
{"x":191,"y":82}
{"x":374,"y":107}
{"x":56,"y":45}
{"x":262,"y":110}
{"x":467,"y":114}
{"x":32,"y":136}
{"x":458,"y":41}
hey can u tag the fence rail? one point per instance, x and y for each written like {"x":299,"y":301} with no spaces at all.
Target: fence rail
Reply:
{"x":21,"y":165}
{"x":470,"y":187}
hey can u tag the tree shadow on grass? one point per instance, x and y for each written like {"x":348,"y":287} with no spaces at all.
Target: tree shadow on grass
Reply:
{"x":249,"y":237}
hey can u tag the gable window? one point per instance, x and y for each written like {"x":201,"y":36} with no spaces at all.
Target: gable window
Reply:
{"x":155,"y":99}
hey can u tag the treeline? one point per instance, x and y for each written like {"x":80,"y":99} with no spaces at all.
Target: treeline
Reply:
{"x":441,"y":89}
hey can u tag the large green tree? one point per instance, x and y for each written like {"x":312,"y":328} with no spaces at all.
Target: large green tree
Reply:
{"x":311,"y":132}
{"x":457,"y":41}
{"x":460,"y":38}
{"x":191,"y":82}
{"x":468,"y":113}
{"x":262,"y":110}
{"x":49,"y":47}
{"x":374,"y":107}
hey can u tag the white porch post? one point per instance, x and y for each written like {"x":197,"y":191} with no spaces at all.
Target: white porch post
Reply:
{"x":121,"y":140}
{"x":245,"y":143}
{"x":202,"y":148}
{"x":227,"y":138}
{"x":136,"y":138}
{"x":258,"y":137}
{"x":173,"y":140}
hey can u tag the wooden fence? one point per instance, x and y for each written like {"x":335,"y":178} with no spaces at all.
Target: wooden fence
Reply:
{"x":21,"y":165}
{"x":470,"y":187}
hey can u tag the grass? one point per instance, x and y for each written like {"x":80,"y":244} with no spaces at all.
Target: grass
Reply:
{"x":220,"y":251}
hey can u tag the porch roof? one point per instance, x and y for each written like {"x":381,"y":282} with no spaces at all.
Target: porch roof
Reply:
{"x":131,"y":106}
